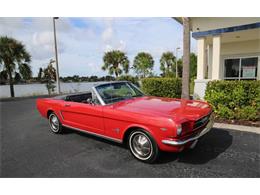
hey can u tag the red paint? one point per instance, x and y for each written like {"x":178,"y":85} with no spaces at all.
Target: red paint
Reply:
{"x":148,"y":113}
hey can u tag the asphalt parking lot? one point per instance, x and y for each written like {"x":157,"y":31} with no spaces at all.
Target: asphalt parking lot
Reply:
{"x":29,"y":149}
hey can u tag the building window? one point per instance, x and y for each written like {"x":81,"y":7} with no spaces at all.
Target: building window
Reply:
{"x":240,"y":68}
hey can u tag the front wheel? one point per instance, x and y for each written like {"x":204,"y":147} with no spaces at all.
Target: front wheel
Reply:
{"x":55,"y":124}
{"x":143,"y":146}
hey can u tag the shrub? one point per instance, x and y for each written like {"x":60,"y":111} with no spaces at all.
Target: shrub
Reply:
{"x":248,"y":112}
{"x":162,"y":87}
{"x":130,"y":78}
{"x":238,"y":100}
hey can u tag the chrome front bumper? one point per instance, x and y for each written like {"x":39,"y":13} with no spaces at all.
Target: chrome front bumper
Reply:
{"x":182,"y":142}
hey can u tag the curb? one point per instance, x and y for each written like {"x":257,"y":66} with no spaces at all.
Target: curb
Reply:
{"x":237,"y":127}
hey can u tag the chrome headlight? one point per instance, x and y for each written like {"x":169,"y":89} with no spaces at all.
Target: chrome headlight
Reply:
{"x":179,"y":130}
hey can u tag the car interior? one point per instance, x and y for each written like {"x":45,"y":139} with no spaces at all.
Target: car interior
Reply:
{"x":86,"y":98}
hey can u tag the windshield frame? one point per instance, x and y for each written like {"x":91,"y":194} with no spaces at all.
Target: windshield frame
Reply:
{"x":94,"y":88}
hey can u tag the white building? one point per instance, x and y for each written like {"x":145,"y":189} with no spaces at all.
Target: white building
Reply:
{"x":228,"y":49}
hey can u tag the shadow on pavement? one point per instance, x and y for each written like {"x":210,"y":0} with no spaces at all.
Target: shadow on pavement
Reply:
{"x":208,"y":148}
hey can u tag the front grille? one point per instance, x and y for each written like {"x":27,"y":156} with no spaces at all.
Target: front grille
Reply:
{"x":201,"y":122}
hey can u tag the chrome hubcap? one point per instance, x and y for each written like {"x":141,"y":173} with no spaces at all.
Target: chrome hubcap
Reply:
{"x":54,"y":123}
{"x":140,"y":145}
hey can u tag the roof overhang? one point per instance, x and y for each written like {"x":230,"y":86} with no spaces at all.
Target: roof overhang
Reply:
{"x":254,"y":25}
{"x":178,"y":19}
{"x":219,"y":31}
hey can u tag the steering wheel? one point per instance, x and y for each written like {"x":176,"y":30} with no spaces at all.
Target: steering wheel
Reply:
{"x":129,"y":94}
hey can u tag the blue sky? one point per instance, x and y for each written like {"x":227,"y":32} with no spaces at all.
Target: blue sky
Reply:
{"x":83,"y":41}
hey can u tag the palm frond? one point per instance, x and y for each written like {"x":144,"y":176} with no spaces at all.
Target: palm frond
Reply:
{"x":25,"y":71}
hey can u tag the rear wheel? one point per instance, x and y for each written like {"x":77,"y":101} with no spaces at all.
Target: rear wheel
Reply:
{"x":54,"y":123}
{"x":143,"y":147}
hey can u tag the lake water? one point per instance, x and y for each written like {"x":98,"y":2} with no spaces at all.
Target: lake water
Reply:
{"x":40,"y":89}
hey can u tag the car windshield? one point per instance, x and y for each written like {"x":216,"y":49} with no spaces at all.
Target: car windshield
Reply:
{"x":115,"y":92}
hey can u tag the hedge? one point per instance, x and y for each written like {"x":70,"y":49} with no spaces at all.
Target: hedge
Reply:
{"x":162,"y":87}
{"x":239,"y":100}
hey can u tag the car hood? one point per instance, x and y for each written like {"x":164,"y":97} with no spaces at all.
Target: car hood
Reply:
{"x":158,"y":106}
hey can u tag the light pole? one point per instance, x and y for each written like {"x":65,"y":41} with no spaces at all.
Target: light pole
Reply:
{"x":56,"y":56}
{"x":177,"y":61}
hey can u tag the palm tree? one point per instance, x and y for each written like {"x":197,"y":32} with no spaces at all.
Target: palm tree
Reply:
{"x":168,"y":63}
{"x":116,"y":62}
{"x":13,"y":55}
{"x":25,"y":71}
{"x":186,"y":59}
{"x":3,"y":77}
{"x":143,"y":64}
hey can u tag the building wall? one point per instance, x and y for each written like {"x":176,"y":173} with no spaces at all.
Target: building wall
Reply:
{"x":243,"y":43}
{"x":204,"y":24}
{"x":235,"y":49}
{"x":244,"y":47}
{"x":240,"y":49}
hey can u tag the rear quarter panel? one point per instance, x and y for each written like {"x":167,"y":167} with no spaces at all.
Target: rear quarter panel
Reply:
{"x":45,"y":104}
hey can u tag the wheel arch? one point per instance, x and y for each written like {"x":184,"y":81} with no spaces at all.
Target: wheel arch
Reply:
{"x":49,"y":111}
{"x":132,"y":128}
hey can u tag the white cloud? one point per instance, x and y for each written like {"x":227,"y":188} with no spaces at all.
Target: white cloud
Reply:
{"x":40,"y":38}
{"x":121,"y":45}
{"x":107,"y":35}
{"x":42,"y":45}
{"x":110,"y":38}
{"x":108,"y":48}
{"x":81,"y":47}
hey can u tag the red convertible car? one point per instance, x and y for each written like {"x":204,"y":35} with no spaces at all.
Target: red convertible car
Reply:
{"x":119,"y":111}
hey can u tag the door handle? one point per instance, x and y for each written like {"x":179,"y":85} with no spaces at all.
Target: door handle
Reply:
{"x":67,"y":105}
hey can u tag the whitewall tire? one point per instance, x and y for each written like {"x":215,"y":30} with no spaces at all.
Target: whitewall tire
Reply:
{"x":143,"y":146}
{"x":54,"y":122}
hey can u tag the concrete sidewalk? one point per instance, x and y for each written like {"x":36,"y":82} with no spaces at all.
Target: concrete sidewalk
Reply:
{"x":237,"y":127}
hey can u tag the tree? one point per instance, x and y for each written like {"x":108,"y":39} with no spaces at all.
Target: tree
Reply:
{"x":116,"y":62}
{"x":130,"y":78}
{"x":3,"y":77}
{"x":13,"y":55}
{"x":40,"y":74}
{"x":25,"y":71}
{"x":186,"y":59}
{"x":193,"y":65}
{"x":17,"y":77}
{"x":143,"y":64}
{"x":179,"y":63}
{"x":168,"y":64}
{"x":49,"y":77}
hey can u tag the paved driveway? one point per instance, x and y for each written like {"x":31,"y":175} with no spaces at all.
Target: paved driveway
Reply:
{"x":29,"y":149}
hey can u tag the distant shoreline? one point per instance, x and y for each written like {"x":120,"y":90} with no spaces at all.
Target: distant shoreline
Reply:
{"x":39,"y":89}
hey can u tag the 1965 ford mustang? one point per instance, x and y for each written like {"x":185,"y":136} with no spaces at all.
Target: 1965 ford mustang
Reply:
{"x":120,"y":112}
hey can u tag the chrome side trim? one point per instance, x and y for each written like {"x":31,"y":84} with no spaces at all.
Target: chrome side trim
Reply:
{"x":95,"y":134}
{"x":182,"y":142}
